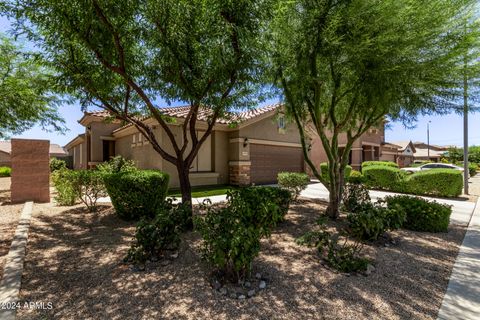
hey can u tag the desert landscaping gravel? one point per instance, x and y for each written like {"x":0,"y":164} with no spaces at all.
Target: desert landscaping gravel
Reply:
{"x":74,"y":260}
{"x":9,"y":216}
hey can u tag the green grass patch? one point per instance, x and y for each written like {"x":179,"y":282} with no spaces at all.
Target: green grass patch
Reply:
{"x":203,"y":191}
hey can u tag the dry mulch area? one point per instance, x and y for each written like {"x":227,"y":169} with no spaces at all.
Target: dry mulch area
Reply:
{"x":75,"y":261}
{"x":9,"y":216}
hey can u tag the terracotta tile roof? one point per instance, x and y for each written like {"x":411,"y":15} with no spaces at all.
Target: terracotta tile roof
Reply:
{"x":204,"y":113}
{"x":391,"y":145}
{"x":99,"y":113}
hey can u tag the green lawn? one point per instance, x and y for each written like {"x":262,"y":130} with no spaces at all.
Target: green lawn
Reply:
{"x":203,"y":191}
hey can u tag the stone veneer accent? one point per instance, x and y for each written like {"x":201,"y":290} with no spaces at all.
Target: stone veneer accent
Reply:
{"x":30,"y":170}
{"x":239,"y":173}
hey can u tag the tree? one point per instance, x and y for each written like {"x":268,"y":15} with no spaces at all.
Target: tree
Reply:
{"x":25,"y":92}
{"x":123,"y":56}
{"x":343,"y":66}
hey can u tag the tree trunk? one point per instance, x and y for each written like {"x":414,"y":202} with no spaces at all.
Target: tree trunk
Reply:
{"x":186,"y":190}
{"x":335,"y":196}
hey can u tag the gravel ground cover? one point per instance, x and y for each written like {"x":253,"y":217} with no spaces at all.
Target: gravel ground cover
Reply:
{"x":74,"y":260}
{"x":9,"y":215}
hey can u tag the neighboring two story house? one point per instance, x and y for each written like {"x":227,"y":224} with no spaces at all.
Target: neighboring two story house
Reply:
{"x":253,"y":151}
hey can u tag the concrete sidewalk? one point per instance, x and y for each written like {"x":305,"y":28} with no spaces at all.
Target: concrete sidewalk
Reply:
{"x":462,"y":299}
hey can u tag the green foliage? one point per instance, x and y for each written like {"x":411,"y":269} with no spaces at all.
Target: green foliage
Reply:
{"x":88,"y":186}
{"x":472,"y":169}
{"x":57,"y":164}
{"x":232,"y":233}
{"x":5,"y":171}
{"x":422,"y":215}
{"x":137,"y":194}
{"x":154,"y":236}
{"x":370,"y":221}
{"x":63,"y":180}
{"x":356,"y":177}
{"x":355,"y":196}
{"x":384,"y":177}
{"x":117,"y":164}
{"x":379,"y":163}
{"x":344,"y":257}
{"x":436,"y":182}
{"x":324,"y":171}
{"x":26,"y":92}
{"x":293,"y":182}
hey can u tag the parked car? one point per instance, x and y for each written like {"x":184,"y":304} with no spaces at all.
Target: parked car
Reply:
{"x":430,"y":166}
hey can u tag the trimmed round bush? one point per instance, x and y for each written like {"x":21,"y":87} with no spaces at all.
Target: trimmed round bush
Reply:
{"x":436,"y":182}
{"x":293,"y":181}
{"x":137,"y":194}
{"x":324,"y":171}
{"x":356,"y":177}
{"x":384,"y":177}
{"x":5,"y":171}
{"x":379,"y":163}
{"x":422,"y":215}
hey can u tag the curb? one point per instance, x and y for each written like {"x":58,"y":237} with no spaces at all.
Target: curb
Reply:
{"x":13,"y":270}
{"x":462,"y":299}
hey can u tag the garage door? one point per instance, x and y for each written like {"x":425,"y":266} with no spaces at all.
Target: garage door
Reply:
{"x":267,"y":161}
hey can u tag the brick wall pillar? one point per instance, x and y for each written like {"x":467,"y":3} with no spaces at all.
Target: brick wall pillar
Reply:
{"x":239,"y":173}
{"x":357,"y":158}
{"x":30,"y":170}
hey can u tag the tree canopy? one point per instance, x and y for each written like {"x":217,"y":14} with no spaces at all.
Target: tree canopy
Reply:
{"x":344,"y":66}
{"x":26,"y":96}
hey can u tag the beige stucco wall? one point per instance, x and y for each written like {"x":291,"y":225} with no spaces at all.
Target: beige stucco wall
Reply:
{"x":5,"y":159}
{"x":79,"y":154}
{"x":98,"y":129}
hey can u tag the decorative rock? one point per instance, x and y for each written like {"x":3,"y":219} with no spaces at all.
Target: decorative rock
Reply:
{"x":247,"y":284}
{"x":370,"y":269}
{"x":174,"y":256}
{"x":216,"y":285}
{"x":262,"y":285}
{"x":251,"y":293}
{"x":233,"y":295}
{"x":258,"y":275}
{"x":241,"y":297}
{"x":223,"y":291}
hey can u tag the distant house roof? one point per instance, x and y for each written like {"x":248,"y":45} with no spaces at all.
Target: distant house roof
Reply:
{"x":424,"y":153}
{"x":404,"y":144}
{"x":391,"y":145}
{"x":55,"y":149}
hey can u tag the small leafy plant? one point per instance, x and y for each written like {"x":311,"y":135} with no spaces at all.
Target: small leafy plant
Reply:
{"x":117,"y":164}
{"x":57,"y":164}
{"x":63,"y":180}
{"x":293,"y":182}
{"x":5,"y":171}
{"x":355,"y":196}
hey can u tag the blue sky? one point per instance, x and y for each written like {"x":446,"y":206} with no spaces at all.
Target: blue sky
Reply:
{"x":444,"y":130}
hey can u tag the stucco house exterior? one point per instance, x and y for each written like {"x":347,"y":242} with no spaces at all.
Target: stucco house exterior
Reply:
{"x":405,"y":153}
{"x":56,"y":151}
{"x":253,"y":151}
{"x":428,"y":152}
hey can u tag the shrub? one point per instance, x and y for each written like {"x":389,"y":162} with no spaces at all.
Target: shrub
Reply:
{"x":379,"y":163}
{"x":5,"y":171}
{"x":232,"y":234}
{"x":437,"y":182}
{"x":422,"y":215}
{"x":384,"y":177}
{"x":324,"y":171}
{"x":472,"y":169}
{"x":88,"y":186}
{"x":117,"y":164}
{"x":354,"y":197}
{"x":137,"y":194}
{"x":356,"y":177}
{"x":63,"y":180}
{"x":154,"y":236}
{"x":344,"y":257}
{"x":57,"y":164}
{"x":371,"y":221}
{"x":293,"y":182}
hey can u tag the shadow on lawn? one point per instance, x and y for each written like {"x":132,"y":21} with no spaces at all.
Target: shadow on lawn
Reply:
{"x":75,"y":261}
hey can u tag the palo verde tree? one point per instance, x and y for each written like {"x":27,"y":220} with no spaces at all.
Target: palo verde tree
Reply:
{"x":123,"y":56}
{"x":26,"y":96}
{"x":343,"y":66}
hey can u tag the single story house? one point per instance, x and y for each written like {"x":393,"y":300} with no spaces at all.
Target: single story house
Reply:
{"x":405,"y":153}
{"x":56,"y":151}
{"x":428,"y":152}
{"x":260,"y":144}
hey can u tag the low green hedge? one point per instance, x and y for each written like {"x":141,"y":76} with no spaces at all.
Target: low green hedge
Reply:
{"x":293,"y":181}
{"x":379,"y":163}
{"x":5,"y":172}
{"x":422,"y":215}
{"x":436,"y":182}
{"x":384,"y":178}
{"x":137,"y":194}
{"x":356,"y":177}
{"x":325,"y":173}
